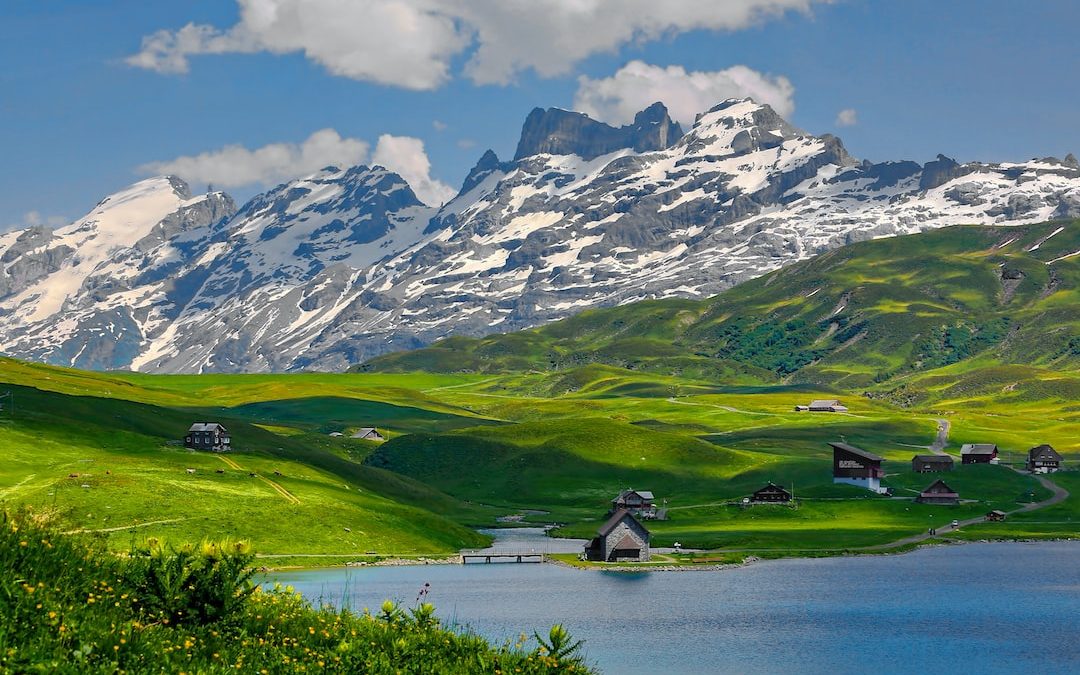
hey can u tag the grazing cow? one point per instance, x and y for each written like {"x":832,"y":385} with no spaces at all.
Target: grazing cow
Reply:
{"x":73,"y":475}
{"x":190,"y":470}
{"x":221,"y":470}
{"x":251,"y":473}
{"x":277,"y":473}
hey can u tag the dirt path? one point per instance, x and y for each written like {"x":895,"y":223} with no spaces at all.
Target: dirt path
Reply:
{"x":721,"y":407}
{"x":126,"y":527}
{"x":938,"y":446}
{"x":289,"y":497}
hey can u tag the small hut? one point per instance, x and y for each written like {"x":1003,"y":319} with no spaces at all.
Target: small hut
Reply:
{"x":621,"y":538}
{"x":208,"y":436}
{"x":938,"y":493}
{"x":856,"y":466}
{"x":995,"y":516}
{"x":1043,"y":459}
{"x":931,"y":463}
{"x":369,"y":434}
{"x":640,"y":503}
{"x":771,"y":494}
{"x":978,"y":453}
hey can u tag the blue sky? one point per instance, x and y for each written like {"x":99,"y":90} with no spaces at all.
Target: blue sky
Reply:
{"x":990,"y":80}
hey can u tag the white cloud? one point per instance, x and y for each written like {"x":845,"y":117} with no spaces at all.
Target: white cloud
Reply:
{"x":32,"y":218}
{"x":439,"y":125}
{"x":405,"y":155}
{"x":411,"y":43}
{"x":466,"y":143}
{"x":637,"y":85}
{"x":235,"y":165}
{"x":848,"y":117}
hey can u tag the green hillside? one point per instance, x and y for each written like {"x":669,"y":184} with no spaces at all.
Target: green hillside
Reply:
{"x":870,"y":315}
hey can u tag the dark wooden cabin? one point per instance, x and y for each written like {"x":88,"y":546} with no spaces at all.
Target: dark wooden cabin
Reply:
{"x":978,"y":453}
{"x":995,"y":516}
{"x":1043,"y":459}
{"x":931,"y":463}
{"x":771,"y":494}
{"x":855,"y":466}
{"x":641,"y":503}
{"x":208,"y":436}
{"x":938,"y":493}
{"x":621,"y":538}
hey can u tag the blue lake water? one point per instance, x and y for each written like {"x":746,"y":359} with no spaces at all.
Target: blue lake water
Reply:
{"x":978,"y":608}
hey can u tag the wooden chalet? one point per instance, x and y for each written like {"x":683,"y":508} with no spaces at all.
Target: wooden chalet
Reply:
{"x":640,"y":503}
{"x":1043,"y":459}
{"x":931,"y":463}
{"x":938,"y":493}
{"x":822,"y":405}
{"x":978,"y":453}
{"x":208,"y":436}
{"x":621,"y":539}
{"x":855,"y":466}
{"x":995,"y":516}
{"x":369,"y":434}
{"x":771,"y":494}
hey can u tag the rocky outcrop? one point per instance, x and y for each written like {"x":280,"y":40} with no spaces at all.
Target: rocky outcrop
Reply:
{"x":561,"y":132}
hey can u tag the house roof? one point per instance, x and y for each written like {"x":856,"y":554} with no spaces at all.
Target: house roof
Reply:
{"x":644,"y":494}
{"x":857,"y":451}
{"x":772,"y":487}
{"x":824,"y":403}
{"x":614,"y":520}
{"x":206,"y":426}
{"x":628,"y":542}
{"x":939,"y":488}
{"x":935,"y":459}
{"x":978,"y":449}
{"x":1043,"y":452}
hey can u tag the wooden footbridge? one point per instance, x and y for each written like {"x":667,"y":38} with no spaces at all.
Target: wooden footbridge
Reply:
{"x":474,"y":557}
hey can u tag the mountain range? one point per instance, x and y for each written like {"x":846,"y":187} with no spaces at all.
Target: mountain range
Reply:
{"x":347,"y":264}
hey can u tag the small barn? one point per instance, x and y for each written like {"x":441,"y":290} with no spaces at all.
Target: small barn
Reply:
{"x":369,"y":434}
{"x":931,"y":463}
{"x":978,"y":453}
{"x":208,"y":436}
{"x":622,"y":538}
{"x":823,"y":405}
{"x":855,"y":466}
{"x":640,"y":503}
{"x":1043,"y":459}
{"x":995,"y":516}
{"x":938,"y":493}
{"x":771,"y":494}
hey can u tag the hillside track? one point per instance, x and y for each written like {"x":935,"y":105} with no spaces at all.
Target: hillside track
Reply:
{"x":276,"y":487}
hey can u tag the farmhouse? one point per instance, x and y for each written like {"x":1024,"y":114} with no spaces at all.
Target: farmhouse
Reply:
{"x":1043,"y":459}
{"x":931,"y":463}
{"x":938,"y":493}
{"x":856,"y":466}
{"x":369,"y":434}
{"x":822,"y":405}
{"x":638,"y":502}
{"x":978,"y":453}
{"x":621,"y":538}
{"x":771,"y":494}
{"x":208,"y":436}
{"x":995,"y":515}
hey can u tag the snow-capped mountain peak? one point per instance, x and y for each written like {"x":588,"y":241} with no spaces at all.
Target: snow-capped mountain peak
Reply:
{"x":332,"y":268}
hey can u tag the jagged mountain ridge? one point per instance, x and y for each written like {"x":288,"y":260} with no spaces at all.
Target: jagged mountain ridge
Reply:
{"x":334,"y":268}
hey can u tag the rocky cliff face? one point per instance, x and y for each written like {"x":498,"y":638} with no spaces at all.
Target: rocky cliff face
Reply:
{"x":346,"y":264}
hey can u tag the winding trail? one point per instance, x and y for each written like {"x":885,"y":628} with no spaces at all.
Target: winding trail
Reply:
{"x":126,"y":527}
{"x":938,"y":446}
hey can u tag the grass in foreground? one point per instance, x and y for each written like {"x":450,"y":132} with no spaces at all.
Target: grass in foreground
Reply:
{"x":69,"y":607}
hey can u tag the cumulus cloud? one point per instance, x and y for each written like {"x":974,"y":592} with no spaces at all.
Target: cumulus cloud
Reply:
{"x":637,"y":85}
{"x":411,"y":43}
{"x":236,"y":166}
{"x":33,"y":218}
{"x":848,"y":117}
{"x":405,"y":156}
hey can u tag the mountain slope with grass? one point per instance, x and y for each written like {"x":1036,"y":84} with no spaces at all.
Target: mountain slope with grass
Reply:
{"x":870,"y":315}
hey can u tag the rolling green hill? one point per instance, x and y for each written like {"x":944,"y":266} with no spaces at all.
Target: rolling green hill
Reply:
{"x":872,"y":315}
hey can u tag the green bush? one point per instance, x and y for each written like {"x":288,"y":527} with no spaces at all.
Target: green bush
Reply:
{"x":69,"y":606}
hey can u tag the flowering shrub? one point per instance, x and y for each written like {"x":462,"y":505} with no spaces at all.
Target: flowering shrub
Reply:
{"x":68,"y":606}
